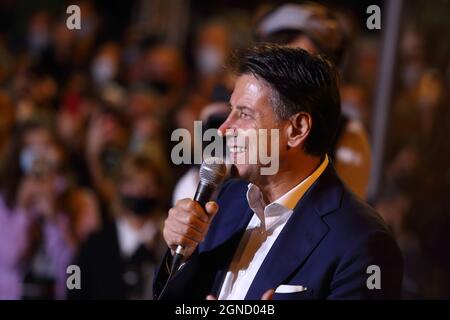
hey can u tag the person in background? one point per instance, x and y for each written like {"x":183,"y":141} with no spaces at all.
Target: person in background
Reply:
{"x":148,"y":138}
{"x":106,"y":64}
{"x":313,"y":27}
{"x":107,"y":140}
{"x":84,"y":213}
{"x":118,"y":261}
{"x":164,"y":70}
{"x":416,"y":183}
{"x":36,"y":245}
{"x":212,"y":48}
{"x":212,"y":116}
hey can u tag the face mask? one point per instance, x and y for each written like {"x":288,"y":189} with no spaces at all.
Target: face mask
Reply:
{"x":28,"y":157}
{"x":38,"y":161}
{"x":103,"y":70}
{"x":159,"y":86}
{"x":33,"y":156}
{"x":209,"y":60}
{"x":140,"y":206}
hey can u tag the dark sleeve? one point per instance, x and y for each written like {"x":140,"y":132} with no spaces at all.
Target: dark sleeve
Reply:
{"x":357,"y":271}
{"x":161,"y":275}
{"x":186,"y":284}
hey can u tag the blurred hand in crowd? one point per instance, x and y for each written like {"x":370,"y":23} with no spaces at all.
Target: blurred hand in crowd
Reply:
{"x":104,"y":129}
{"x":38,"y":195}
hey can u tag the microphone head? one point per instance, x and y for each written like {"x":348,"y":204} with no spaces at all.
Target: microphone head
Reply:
{"x":213,"y":171}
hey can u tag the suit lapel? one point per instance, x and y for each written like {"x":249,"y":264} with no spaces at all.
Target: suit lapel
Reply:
{"x":300,"y":236}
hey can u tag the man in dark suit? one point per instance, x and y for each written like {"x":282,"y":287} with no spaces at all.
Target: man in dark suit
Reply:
{"x":296,"y":234}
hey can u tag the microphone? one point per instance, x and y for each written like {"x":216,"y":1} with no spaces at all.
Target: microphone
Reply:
{"x":212,"y":172}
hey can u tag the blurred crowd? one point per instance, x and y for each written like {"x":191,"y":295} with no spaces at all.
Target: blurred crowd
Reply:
{"x":86,"y":118}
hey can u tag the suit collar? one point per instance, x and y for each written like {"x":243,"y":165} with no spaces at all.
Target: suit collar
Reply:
{"x":303,"y":232}
{"x":325,"y":194}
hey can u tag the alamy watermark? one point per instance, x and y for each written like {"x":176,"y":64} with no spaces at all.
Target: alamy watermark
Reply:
{"x":250,"y":146}
{"x":374,"y":280}
{"x":374,"y":20}
{"x":74,"y":279}
{"x":73,"y":22}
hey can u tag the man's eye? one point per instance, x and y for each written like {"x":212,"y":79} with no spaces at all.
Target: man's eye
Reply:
{"x":244,"y":115}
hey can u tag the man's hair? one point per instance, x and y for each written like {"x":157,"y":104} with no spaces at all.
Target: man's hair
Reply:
{"x":136,"y":164}
{"x":300,"y":82}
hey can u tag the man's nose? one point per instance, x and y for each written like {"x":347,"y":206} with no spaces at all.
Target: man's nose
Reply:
{"x":226,"y":128}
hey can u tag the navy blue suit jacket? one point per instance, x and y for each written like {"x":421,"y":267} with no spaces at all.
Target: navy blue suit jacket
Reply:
{"x":327,"y":245}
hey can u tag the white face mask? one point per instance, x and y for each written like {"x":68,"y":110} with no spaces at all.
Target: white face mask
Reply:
{"x":103,"y":70}
{"x":38,"y":157}
{"x":28,"y":157}
{"x":209,"y":60}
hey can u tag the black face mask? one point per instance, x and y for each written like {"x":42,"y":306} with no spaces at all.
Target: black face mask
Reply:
{"x":140,"y":206}
{"x":161,"y":87}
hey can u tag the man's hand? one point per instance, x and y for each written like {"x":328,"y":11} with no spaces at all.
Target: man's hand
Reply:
{"x":268,"y":295}
{"x":187,"y":224}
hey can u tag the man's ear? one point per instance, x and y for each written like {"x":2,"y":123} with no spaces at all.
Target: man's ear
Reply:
{"x":300,"y":125}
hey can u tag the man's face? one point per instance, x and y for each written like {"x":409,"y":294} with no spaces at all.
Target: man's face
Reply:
{"x":251,"y":110}
{"x":142,"y":184}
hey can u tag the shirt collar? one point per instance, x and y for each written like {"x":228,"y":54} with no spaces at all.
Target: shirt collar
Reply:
{"x":293,"y":196}
{"x":268,"y":214}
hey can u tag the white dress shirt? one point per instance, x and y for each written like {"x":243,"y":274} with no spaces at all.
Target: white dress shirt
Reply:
{"x":261,"y":233}
{"x":130,"y":238}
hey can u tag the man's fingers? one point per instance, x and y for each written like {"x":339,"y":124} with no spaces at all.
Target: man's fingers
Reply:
{"x":211,"y":297}
{"x":211,"y":208}
{"x":180,"y":235}
{"x":190,"y":226}
{"x":194,"y":208}
{"x":268,"y":295}
{"x":187,"y":223}
{"x":193,"y":222}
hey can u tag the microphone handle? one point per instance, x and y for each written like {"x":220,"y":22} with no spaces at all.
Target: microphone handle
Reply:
{"x":202,"y":195}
